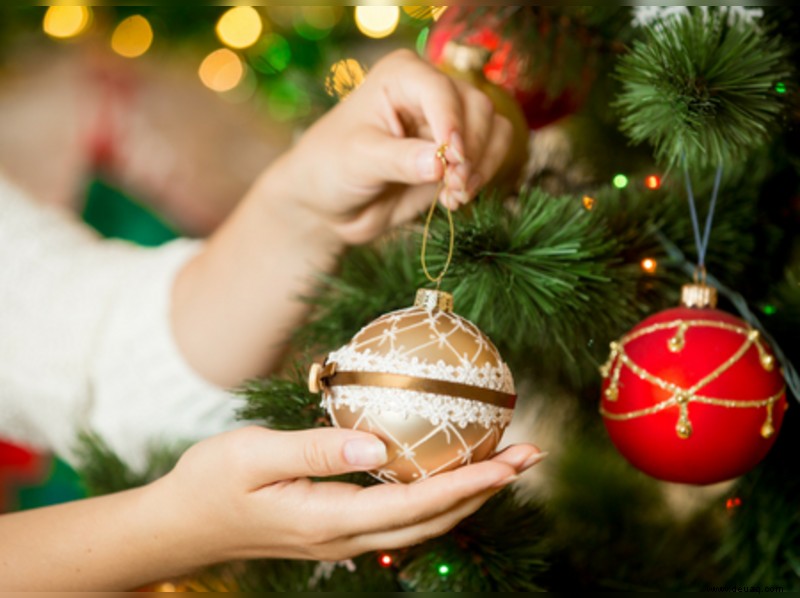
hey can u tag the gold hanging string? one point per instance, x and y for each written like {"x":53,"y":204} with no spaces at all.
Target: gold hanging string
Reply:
{"x":440,"y":155}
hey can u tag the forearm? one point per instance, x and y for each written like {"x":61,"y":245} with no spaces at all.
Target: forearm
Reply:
{"x":236,"y":304}
{"x":117,"y":542}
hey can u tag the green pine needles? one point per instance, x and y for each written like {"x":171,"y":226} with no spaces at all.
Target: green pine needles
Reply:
{"x":702,"y":87}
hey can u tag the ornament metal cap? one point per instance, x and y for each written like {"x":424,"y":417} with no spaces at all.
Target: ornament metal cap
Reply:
{"x":465,"y":58}
{"x":430,"y":300}
{"x":698,"y":295}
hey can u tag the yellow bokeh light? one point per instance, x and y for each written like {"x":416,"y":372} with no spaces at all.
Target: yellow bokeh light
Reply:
{"x":649,"y":265}
{"x":344,"y":77}
{"x":132,"y":37}
{"x":63,"y":22}
{"x":222,"y":70}
{"x":240,"y":27}
{"x":377,"y":21}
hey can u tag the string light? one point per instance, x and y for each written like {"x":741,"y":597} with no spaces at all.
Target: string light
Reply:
{"x":652,"y":182}
{"x":649,"y":265}
{"x":780,"y":87}
{"x":63,"y":22}
{"x":377,"y":21}
{"x":344,"y":77}
{"x":386,"y":560}
{"x":132,"y":37}
{"x":770,"y":310}
{"x":733,"y":503}
{"x":620,"y":181}
{"x":240,"y":27}
{"x":222,"y":70}
{"x":589,"y":202}
{"x":444,"y":570}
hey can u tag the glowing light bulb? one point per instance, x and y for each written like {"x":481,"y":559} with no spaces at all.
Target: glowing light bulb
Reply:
{"x":386,"y":560}
{"x":63,"y":22}
{"x":589,"y":202}
{"x":620,"y":181}
{"x":770,"y":310}
{"x":444,"y":570}
{"x":733,"y":503}
{"x":222,"y":70}
{"x":377,"y":21}
{"x":780,"y":87}
{"x":649,"y":265}
{"x":132,"y":37}
{"x":240,"y":27}
{"x":653,"y":182}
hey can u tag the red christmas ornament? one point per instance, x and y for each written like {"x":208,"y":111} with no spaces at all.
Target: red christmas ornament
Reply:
{"x":692,"y":394}
{"x":515,"y":64}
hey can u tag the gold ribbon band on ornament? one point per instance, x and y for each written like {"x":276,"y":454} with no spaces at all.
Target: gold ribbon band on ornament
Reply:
{"x":326,"y":376}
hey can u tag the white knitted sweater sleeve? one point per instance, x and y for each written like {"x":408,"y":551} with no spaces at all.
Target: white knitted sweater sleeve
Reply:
{"x":85,"y":339}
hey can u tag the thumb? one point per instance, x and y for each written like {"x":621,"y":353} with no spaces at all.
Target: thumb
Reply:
{"x":410,"y":161}
{"x":318,"y":453}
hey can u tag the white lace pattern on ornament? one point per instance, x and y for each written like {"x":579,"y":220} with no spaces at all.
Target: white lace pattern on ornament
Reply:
{"x":348,"y":359}
{"x":436,"y":409}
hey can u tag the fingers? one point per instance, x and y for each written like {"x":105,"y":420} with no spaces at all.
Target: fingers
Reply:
{"x":270,"y":456}
{"x":415,"y":87}
{"x":496,"y":149}
{"x":410,"y":161}
{"x":519,"y":457}
{"x":405,"y":505}
{"x":425,"y":530}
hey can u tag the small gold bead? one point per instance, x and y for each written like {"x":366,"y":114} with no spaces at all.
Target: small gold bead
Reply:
{"x":676,"y":344}
{"x":768,"y":362}
{"x":684,"y":430}
{"x":612,"y":393}
{"x":767,"y":430}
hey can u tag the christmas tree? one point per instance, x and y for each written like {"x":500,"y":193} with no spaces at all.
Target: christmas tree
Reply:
{"x":628,"y":114}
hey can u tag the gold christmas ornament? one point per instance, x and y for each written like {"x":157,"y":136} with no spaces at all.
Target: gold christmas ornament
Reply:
{"x":427,"y":382}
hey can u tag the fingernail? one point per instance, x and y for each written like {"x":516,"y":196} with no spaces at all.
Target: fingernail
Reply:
{"x":533,"y":460}
{"x":474,"y":183}
{"x":363,"y":452}
{"x":457,"y":146}
{"x":459,"y":197}
{"x":505,"y":481}
{"x":426,"y":165}
{"x":459,"y":177}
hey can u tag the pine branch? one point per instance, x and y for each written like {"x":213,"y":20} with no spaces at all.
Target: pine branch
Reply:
{"x":282,"y":403}
{"x":104,"y":472}
{"x":702,"y":87}
{"x":502,"y":548}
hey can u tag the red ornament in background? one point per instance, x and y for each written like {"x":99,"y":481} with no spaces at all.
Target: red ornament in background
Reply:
{"x":692,"y":394}
{"x":513,"y":64}
{"x":18,"y":466}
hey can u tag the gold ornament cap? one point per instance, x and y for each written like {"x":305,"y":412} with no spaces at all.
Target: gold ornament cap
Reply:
{"x":431,"y":300}
{"x":698,"y":295}
{"x":467,"y":59}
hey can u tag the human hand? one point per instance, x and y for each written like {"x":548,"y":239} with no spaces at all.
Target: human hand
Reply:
{"x":245,"y":494}
{"x":371,"y":162}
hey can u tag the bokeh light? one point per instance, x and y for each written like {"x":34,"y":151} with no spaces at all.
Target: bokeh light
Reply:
{"x":132,"y":37}
{"x":444,"y":570}
{"x":649,"y":265}
{"x":222,"y":70}
{"x":620,"y":181}
{"x":377,"y":21}
{"x":780,"y":87}
{"x":63,"y":22}
{"x":344,"y":77}
{"x":240,"y":27}
{"x":652,"y":182}
{"x":386,"y":560}
{"x":422,"y":40}
{"x":589,"y":202}
{"x":272,"y":54}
